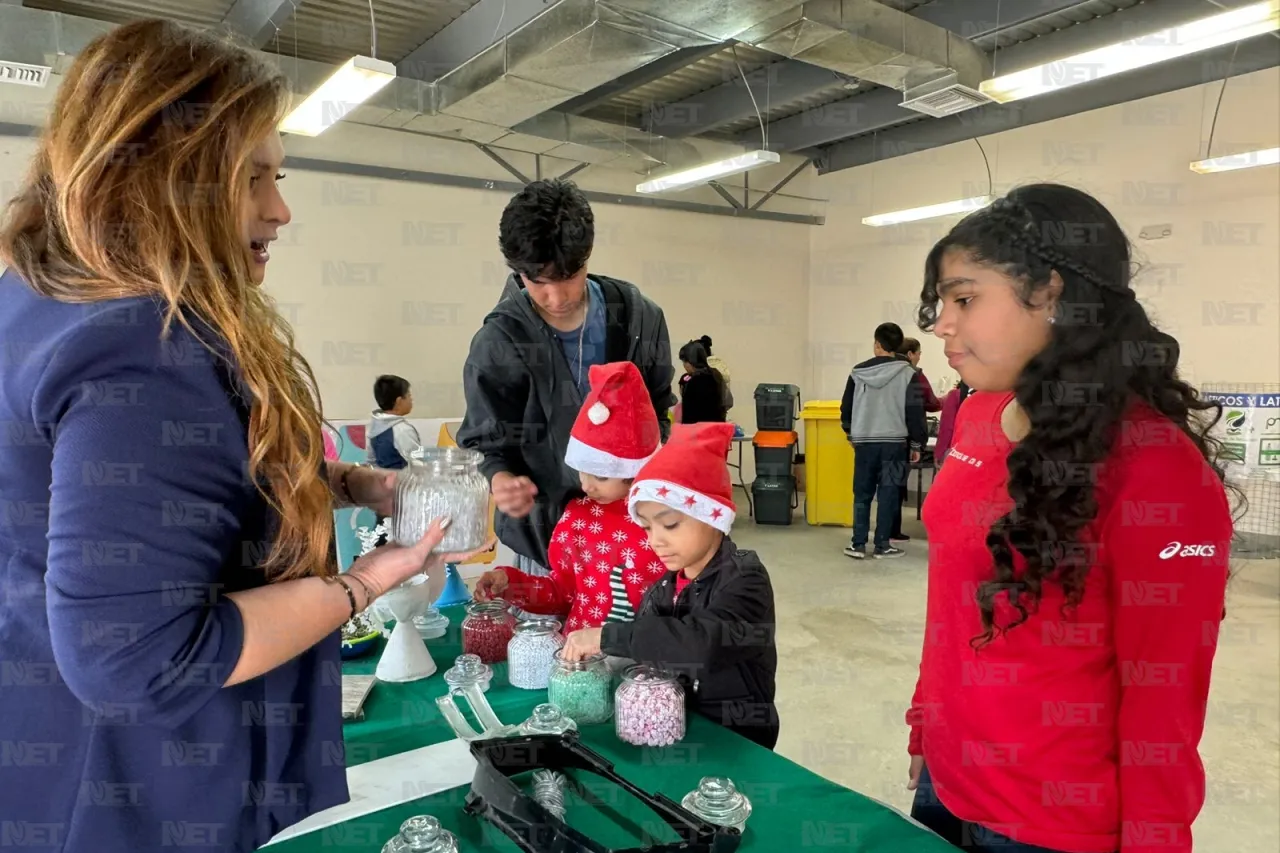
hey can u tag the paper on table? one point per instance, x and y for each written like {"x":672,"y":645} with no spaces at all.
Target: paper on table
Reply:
{"x":355,"y":689}
{"x":391,"y":781}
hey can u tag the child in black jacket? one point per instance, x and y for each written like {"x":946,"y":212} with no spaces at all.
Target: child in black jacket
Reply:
{"x":711,"y":618}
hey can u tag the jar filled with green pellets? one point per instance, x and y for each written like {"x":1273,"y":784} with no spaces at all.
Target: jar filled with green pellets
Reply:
{"x":582,"y":689}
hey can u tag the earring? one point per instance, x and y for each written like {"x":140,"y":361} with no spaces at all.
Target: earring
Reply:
{"x":1052,"y":320}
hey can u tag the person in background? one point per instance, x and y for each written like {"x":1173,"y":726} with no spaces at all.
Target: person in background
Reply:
{"x":702,"y":388}
{"x":717,"y":363}
{"x":711,"y":617}
{"x":882,"y":414}
{"x":529,"y":367}
{"x":601,"y":563}
{"x":391,"y":437}
{"x":947,"y":422}
{"x":911,"y":352}
{"x":170,"y":614}
{"x":1071,"y":628}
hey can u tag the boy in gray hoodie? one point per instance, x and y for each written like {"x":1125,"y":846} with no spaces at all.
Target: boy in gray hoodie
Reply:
{"x":882,"y":412}
{"x":390,"y":437}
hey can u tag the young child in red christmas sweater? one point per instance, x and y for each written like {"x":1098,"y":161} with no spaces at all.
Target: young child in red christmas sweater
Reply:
{"x":601,"y":563}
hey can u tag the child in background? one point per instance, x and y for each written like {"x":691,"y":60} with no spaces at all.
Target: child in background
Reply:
{"x":391,"y":438}
{"x":601,"y":564}
{"x":710,"y":619}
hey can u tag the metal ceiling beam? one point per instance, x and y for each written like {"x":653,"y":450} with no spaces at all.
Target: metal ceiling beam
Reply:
{"x":258,"y":20}
{"x":471,"y":32}
{"x":642,"y":76}
{"x":974,"y":19}
{"x":1254,"y":54}
{"x":878,"y":110}
{"x":778,"y":83}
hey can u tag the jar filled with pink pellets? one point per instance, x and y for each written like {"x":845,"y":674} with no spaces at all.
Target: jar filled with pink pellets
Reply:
{"x":487,"y":630}
{"x":649,"y":707}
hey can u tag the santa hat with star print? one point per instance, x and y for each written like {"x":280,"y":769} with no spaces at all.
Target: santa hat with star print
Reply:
{"x":690,"y":474}
{"x":616,"y":432}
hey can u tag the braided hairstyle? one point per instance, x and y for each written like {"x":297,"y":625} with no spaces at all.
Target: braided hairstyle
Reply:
{"x":1103,"y":349}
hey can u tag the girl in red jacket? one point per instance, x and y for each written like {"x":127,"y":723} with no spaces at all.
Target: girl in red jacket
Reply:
{"x":601,"y":563}
{"x":1079,"y":537}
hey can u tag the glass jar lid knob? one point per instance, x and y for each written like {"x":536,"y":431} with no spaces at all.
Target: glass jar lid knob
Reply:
{"x":423,"y":834}
{"x":719,"y":801}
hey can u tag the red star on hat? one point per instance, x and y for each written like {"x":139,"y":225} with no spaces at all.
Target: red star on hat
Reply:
{"x":688,"y":474}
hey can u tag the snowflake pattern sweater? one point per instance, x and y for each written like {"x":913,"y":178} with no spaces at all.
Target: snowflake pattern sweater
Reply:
{"x":601,"y":566}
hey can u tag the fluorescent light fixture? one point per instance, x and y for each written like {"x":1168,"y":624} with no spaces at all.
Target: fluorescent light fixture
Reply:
{"x":709,"y":172}
{"x":932,"y":211}
{"x":1160,"y":46}
{"x":358,"y":80}
{"x":1232,"y":162}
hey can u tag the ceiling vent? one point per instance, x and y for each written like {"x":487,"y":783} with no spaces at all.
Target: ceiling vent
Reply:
{"x":943,"y":97}
{"x":23,"y":74}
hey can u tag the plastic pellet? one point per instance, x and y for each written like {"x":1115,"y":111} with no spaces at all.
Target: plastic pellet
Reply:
{"x":486,"y":639}
{"x":586,"y":696}
{"x":530,"y":656}
{"x":650,"y":712}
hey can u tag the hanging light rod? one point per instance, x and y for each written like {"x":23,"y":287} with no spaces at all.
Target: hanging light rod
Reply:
{"x":1233,"y":162}
{"x":358,"y":80}
{"x":1160,"y":46}
{"x":708,"y":172}
{"x":932,"y":211}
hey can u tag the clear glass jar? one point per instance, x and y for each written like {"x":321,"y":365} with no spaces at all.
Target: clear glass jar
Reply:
{"x":716,"y":800}
{"x":469,"y":669}
{"x":531,"y":653}
{"x":547,"y":719}
{"x":649,"y":707}
{"x":422,"y":834}
{"x":583,"y":689}
{"x":487,"y":630}
{"x":442,"y":482}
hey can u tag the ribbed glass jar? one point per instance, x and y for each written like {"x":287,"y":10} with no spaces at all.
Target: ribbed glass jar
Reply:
{"x":486,"y":630}
{"x":531,"y":653}
{"x":649,"y":707}
{"x":442,"y":482}
{"x":583,"y":689}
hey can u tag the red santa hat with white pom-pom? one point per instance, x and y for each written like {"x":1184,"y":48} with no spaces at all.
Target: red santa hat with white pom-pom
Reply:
{"x":616,"y":432}
{"x":689,"y":474}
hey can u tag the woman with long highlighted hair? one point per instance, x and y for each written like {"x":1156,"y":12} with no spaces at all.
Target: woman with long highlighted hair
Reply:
{"x":168,"y":623}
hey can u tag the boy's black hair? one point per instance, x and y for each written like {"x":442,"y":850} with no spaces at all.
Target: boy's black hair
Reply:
{"x":909,"y":345}
{"x":389,"y":388}
{"x":547,"y":230}
{"x":889,"y":337}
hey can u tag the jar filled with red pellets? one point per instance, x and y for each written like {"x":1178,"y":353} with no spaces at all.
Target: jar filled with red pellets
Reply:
{"x":649,"y":707}
{"x":487,"y":630}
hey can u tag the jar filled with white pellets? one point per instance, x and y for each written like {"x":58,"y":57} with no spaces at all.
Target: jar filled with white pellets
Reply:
{"x":649,"y":707}
{"x":531,"y":653}
{"x":442,"y":482}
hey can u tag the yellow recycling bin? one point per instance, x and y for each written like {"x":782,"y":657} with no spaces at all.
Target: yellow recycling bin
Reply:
{"x":828,"y":465}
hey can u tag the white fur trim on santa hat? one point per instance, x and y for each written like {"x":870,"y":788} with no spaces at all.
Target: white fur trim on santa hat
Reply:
{"x":583,"y":457}
{"x":683,"y":499}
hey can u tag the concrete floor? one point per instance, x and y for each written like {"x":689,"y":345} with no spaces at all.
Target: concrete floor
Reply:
{"x":849,"y":638}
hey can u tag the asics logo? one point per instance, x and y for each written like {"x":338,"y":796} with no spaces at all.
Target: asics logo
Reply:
{"x":1177,"y":549}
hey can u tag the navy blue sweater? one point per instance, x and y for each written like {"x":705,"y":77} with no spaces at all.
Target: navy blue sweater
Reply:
{"x":125,"y":518}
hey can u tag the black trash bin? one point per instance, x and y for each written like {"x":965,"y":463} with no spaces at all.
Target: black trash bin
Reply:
{"x":777,"y":406}
{"x":773,"y":498}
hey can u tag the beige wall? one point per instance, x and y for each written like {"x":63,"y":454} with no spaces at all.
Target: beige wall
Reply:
{"x":1214,"y":284}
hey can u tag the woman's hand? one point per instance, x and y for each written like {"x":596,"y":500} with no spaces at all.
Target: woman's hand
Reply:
{"x":913,"y":774}
{"x":491,"y":585}
{"x":390,"y":565}
{"x":582,"y":644}
{"x":374,"y":488}
{"x":513,"y":495}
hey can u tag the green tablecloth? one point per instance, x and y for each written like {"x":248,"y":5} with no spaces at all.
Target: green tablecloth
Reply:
{"x":793,"y":808}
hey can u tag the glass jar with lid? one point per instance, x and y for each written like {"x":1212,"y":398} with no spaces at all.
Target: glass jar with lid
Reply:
{"x":442,"y":482}
{"x":422,"y":834}
{"x":716,"y":800}
{"x":649,"y":707}
{"x":583,"y":689}
{"x":469,"y":669}
{"x":531,"y":653}
{"x":547,"y":719}
{"x":486,"y":630}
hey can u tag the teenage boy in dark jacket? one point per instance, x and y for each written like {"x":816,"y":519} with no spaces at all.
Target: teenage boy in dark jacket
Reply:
{"x":883,"y":414}
{"x":710,"y":619}
{"x":529,"y":366}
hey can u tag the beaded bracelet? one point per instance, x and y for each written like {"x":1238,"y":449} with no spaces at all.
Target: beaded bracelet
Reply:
{"x":368,"y":593}
{"x":351,"y":596}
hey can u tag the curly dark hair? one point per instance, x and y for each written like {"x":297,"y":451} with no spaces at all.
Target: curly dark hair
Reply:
{"x":1103,"y":342}
{"x":547,"y":230}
